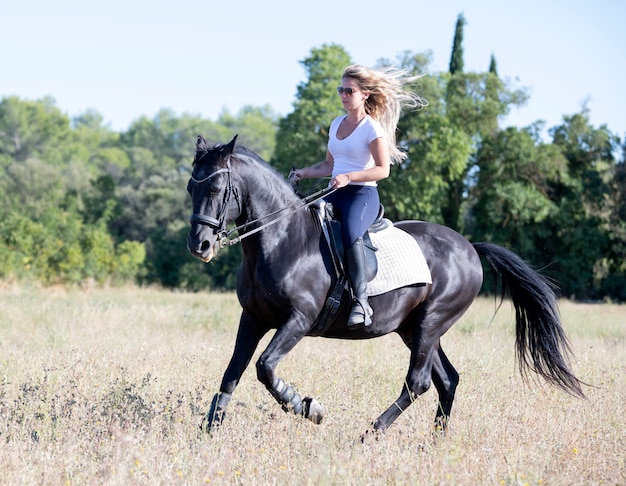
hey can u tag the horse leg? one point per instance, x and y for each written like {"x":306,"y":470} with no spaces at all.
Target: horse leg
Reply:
{"x":427,"y":364}
{"x":285,"y":339}
{"x":446,"y":379}
{"x":248,"y":337}
{"x":417,"y":382}
{"x":385,"y":420}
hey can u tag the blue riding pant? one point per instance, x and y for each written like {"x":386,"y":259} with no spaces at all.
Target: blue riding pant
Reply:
{"x":356,"y":207}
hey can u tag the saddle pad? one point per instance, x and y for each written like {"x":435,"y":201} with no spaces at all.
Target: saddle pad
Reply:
{"x":400,"y":261}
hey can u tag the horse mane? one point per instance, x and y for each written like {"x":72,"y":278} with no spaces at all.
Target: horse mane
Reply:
{"x":244,"y":154}
{"x":210,"y":154}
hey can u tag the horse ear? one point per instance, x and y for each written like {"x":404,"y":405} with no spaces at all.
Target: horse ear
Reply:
{"x":201,"y":143}
{"x":228,"y":149}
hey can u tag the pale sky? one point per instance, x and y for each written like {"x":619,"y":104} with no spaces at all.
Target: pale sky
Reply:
{"x":127,"y":59}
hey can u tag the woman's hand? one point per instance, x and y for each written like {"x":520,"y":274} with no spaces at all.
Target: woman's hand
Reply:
{"x":340,"y":180}
{"x":295,"y":175}
{"x":322,"y":169}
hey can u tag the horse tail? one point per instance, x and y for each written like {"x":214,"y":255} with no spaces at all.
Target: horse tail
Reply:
{"x":540,"y":342}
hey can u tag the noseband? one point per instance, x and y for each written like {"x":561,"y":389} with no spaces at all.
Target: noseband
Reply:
{"x":218,"y":224}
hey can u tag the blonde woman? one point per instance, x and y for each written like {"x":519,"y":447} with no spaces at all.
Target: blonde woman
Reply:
{"x":361,"y":148}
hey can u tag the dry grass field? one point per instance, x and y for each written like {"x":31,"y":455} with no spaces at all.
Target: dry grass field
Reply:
{"x":109,"y":387}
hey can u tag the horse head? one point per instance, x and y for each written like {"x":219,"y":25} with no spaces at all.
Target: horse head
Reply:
{"x":214,"y":198}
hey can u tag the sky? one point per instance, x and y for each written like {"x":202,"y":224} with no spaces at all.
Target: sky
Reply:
{"x":132,"y":58}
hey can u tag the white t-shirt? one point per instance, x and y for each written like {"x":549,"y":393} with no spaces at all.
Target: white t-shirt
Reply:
{"x":353,"y":152}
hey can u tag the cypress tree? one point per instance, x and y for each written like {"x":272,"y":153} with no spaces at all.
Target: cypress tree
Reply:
{"x":492,"y":65}
{"x":456,"y":59}
{"x":455,"y":91}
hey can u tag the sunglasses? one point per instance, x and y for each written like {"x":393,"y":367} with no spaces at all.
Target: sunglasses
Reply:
{"x":347,"y":91}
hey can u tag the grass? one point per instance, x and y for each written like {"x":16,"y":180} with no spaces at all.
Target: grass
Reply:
{"x":109,"y":387}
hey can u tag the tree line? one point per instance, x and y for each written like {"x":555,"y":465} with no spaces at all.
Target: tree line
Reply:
{"x":80,"y":202}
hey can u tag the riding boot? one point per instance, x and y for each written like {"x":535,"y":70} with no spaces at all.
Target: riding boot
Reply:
{"x":361,"y":313}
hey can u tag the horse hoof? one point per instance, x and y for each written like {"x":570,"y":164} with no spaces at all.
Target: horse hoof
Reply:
{"x":371,"y":435}
{"x":313,"y":410}
{"x":208,"y":426}
{"x":204,"y":430}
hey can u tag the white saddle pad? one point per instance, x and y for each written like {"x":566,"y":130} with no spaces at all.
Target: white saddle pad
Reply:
{"x":400,"y":261}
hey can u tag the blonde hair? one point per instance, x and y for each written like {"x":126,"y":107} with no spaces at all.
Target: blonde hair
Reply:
{"x":387,"y":98}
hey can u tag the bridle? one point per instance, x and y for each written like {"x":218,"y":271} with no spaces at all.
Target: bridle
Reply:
{"x":219,"y":224}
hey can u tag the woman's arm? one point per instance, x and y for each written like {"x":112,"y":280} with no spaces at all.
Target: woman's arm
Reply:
{"x":321,"y":169}
{"x":380,"y":153}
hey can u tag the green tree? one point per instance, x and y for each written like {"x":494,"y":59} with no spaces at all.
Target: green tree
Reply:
{"x":96,"y":147}
{"x":31,"y":129}
{"x":474,"y":103}
{"x":32,"y":187}
{"x":551,"y":202}
{"x":256,"y":128}
{"x":587,"y":241}
{"x":437,"y":151}
{"x":154,"y":205}
{"x":456,"y":58}
{"x":303,"y":134}
{"x":171,"y":139}
{"x":614,"y":262}
{"x":511,"y":195}
{"x":60,"y":248}
{"x":493,"y":69}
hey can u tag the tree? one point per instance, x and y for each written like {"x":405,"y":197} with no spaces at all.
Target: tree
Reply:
{"x":303,"y":134}
{"x":495,"y":106}
{"x":456,"y":58}
{"x":255,"y":126}
{"x":511,"y":196}
{"x":32,"y":187}
{"x":437,"y":150}
{"x":60,"y":248}
{"x":31,"y":129}
{"x":474,"y":102}
{"x":588,"y":237}
{"x":95,"y":147}
{"x":493,"y":69}
{"x":170,"y":138}
{"x":614,"y":262}
{"x":551,"y":203}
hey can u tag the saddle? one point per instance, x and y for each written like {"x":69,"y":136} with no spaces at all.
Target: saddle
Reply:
{"x":331,"y":229}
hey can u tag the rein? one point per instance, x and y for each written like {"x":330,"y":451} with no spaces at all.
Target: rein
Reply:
{"x":222,"y":239}
{"x":219,"y":223}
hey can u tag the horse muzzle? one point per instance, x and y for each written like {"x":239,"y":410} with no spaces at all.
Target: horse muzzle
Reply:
{"x":201,"y":248}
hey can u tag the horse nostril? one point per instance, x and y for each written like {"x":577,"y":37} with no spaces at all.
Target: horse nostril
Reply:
{"x":205,"y":246}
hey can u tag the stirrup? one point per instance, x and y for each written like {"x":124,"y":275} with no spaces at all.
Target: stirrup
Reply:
{"x":360,"y":315}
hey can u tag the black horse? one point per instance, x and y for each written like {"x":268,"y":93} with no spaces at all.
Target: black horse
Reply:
{"x":284,"y":280}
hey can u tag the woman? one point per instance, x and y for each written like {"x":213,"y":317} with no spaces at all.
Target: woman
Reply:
{"x":361,"y":148}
